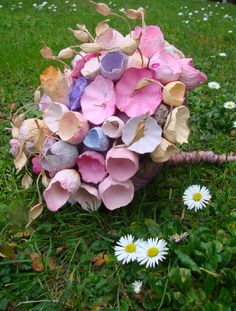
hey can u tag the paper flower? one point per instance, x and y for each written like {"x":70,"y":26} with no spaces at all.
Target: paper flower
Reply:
{"x":73,"y":127}
{"x":176,"y":129}
{"x":36,"y":165}
{"x":165,"y":66}
{"x":163,"y":152}
{"x":96,"y":139}
{"x":116,"y":194}
{"x":190,"y":76}
{"x":142,"y":134}
{"x":77,"y":92}
{"x":151,"y":41}
{"x":55,"y":85}
{"x":173,"y":50}
{"x":53,"y":114}
{"x":121,"y":163}
{"x":113,"y":65}
{"x":58,"y":156}
{"x":44,"y":102}
{"x":91,"y":166}
{"x":64,"y":184}
{"x":110,"y":38}
{"x":88,"y":197}
{"x":173,"y":94}
{"x":132,"y":102}
{"x":91,"y":69}
{"x":15,"y":147}
{"x":78,"y":64}
{"x":112,"y":127}
{"x":136,"y":61}
{"x":98,"y":100}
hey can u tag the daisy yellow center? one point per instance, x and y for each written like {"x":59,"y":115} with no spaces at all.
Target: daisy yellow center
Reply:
{"x":130,"y":248}
{"x":152,"y":252}
{"x":197,"y":196}
{"x":230,"y":105}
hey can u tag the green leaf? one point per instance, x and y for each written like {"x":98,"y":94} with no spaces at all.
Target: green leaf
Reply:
{"x":181,"y":277}
{"x":188,"y":261}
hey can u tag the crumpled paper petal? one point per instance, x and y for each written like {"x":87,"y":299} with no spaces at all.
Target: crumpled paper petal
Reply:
{"x":61,"y":187}
{"x":88,"y":197}
{"x":91,"y":166}
{"x":96,"y":139}
{"x":116,"y":194}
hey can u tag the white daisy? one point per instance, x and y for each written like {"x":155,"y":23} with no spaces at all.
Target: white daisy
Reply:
{"x":126,"y":248}
{"x":137,"y":285}
{"x":229,"y":105}
{"x":222,"y":54}
{"x":196,"y":197}
{"x":214,"y":85}
{"x":152,"y":251}
{"x":230,"y":31}
{"x":234,"y":124}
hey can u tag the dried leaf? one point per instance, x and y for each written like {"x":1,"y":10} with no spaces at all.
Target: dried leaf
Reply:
{"x":20,"y":161}
{"x":24,"y":234}
{"x":43,"y":132}
{"x":18,"y":120}
{"x":102,"y":8}
{"x":134,"y":14}
{"x":91,"y":47}
{"x":102,"y":27}
{"x":15,"y":132}
{"x":7,"y":251}
{"x":129,"y":46}
{"x":66,"y":53}
{"x":26,"y":181}
{"x":37,"y":96}
{"x":34,"y":212}
{"x":46,"y":52}
{"x":81,"y":35}
{"x":45,"y":180}
{"x":100,"y":259}
{"x":141,"y":84}
{"x":37,"y":263}
{"x":52,"y":265}
{"x":61,"y":249}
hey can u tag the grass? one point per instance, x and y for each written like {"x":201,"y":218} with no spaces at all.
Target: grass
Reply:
{"x":199,"y":273}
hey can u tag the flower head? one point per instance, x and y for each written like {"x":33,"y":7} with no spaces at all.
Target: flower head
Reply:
{"x":196,"y":197}
{"x":222,"y":54}
{"x":126,"y":248}
{"x":177,"y":238}
{"x":214,"y":85}
{"x":152,"y":251}
{"x":137,"y":286}
{"x":234,"y":124}
{"x":229,"y":105}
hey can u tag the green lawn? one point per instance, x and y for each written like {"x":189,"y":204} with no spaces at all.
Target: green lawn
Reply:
{"x":199,"y":273}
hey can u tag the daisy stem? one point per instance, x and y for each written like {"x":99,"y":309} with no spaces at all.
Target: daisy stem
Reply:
{"x":183,"y":214}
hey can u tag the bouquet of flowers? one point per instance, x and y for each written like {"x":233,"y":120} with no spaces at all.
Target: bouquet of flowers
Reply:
{"x":107,"y":124}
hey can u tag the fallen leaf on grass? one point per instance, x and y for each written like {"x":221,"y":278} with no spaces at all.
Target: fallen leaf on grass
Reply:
{"x":37,"y":263}
{"x":7,"y":251}
{"x":100,"y":259}
{"x":34,"y":212}
{"x":26,"y":181}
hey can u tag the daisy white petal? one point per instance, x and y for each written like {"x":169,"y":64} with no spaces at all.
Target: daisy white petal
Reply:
{"x":229,"y":105}
{"x":137,"y":285}
{"x":125,"y":250}
{"x":214,"y":85}
{"x":196,"y":197}
{"x":152,"y":251}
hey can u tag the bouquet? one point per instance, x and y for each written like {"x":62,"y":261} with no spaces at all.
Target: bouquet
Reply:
{"x":107,"y":124}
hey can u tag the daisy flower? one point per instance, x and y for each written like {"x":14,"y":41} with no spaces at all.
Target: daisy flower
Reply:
{"x":196,"y":197}
{"x":214,"y":85}
{"x":152,"y":251}
{"x":222,"y":54}
{"x":229,"y":105}
{"x":137,"y":285}
{"x":126,"y":247}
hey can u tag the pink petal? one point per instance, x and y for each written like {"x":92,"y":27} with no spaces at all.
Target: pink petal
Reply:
{"x":98,"y":100}
{"x":92,"y":167}
{"x":190,"y":76}
{"x":121,"y":163}
{"x":116,"y":194}
{"x":139,"y":102}
{"x":165,"y":66}
{"x":53,"y":114}
{"x":88,"y":197}
{"x":36,"y":165}
{"x":62,"y":185}
{"x":110,"y":39}
{"x":152,"y":40}
{"x":73,"y":127}
{"x":150,"y":140}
